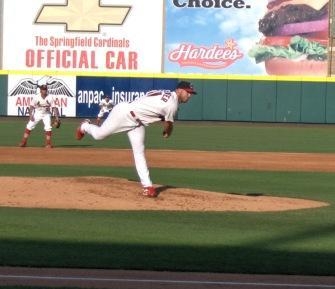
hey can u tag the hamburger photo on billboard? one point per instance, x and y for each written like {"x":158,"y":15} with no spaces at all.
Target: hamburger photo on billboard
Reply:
{"x":295,"y":36}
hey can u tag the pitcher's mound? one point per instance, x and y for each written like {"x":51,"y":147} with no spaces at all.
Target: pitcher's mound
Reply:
{"x":106,"y":193}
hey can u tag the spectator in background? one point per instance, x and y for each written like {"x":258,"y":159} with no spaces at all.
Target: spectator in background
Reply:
{"x":105,"y":106}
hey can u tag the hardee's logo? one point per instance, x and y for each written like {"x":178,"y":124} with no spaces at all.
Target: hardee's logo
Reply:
{"x":215,"y":57}
{"x":82,"y":15}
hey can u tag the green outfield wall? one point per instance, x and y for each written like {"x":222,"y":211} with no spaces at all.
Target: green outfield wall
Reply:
{"x":261,"y":101}
{"x":3,"y":94}
{"x":251,"y":100}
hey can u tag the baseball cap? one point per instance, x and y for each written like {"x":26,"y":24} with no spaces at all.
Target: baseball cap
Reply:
{"x":43,"y":87}
{"x":188,"y":86}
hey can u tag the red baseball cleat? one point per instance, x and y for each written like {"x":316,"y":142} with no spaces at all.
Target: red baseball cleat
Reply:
{"x":79,"y":133}
{"x":149,"y":192}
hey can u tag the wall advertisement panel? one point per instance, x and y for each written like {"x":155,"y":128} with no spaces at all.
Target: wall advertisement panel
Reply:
{"x":245,"y":37}
{"x":90,"y":91}
{"x":78,"y":96}
{"x":22,"y":88}
{"x":77,"y":35}
{"x":248,"y":37}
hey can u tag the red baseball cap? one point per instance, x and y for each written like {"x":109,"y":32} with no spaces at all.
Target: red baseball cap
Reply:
{"x":188,"y":86}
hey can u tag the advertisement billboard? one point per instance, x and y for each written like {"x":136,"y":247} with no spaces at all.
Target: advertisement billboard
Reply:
{"x":22,"y":88}
{"x":91,"y":90}
{"x":77,"y":35}
{"x":263,"y":37}
{"x":239,"y":37}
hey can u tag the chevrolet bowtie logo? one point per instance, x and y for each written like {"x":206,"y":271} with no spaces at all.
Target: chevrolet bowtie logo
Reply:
{"x":82,"y":15}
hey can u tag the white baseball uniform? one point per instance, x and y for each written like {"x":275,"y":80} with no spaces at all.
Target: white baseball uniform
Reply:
{"x":156,"y":105}
{"x":105,"y":106}
{"x":41,"y":108}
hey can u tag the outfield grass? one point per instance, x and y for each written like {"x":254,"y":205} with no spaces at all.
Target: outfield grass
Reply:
{"x":207,"y":136}
{"x":292,"y":242}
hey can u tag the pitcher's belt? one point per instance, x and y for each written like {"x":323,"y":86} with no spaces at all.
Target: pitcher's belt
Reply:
{"x":136,"y":118}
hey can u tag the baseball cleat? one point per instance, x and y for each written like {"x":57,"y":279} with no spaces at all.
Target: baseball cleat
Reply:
{"x":48,"y":146}
{"x":149,"y":192}
{"x":79,"y":133}
{"x":22,"y":144}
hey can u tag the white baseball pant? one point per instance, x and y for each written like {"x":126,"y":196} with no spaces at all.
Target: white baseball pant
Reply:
{"x":121,"y":120}
{"x":45,"y":117}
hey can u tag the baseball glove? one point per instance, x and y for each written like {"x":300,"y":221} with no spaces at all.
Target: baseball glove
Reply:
{"x":56,"y":123}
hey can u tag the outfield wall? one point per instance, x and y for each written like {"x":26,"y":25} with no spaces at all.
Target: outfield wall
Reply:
{"x":3,"y":94}
{"x":262,"y":101}
{"x":259,"y":100}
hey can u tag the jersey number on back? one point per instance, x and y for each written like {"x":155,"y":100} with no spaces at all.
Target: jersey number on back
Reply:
{"x":166,"y":94}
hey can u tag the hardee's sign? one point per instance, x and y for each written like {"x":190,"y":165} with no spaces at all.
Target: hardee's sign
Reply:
{"x":214,"y":57}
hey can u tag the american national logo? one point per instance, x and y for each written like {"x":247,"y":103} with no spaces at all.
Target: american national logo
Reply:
{"x":29,"y":86}
{"x":83,"y":15}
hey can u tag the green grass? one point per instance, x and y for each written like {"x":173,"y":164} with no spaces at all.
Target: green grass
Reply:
{"x":291,"y":242}
{"x":208,"y":136}
{"x":215,"y":242}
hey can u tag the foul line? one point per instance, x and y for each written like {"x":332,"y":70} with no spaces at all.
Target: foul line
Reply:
{"x":95,"y":279}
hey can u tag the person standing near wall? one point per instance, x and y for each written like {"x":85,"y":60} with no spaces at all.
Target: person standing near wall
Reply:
{"x":133,"y":117}
{"x":42,"y":108}
{"x":105,"y":106}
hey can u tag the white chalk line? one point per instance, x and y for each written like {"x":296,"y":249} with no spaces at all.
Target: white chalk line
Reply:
{"x":128,"y":280}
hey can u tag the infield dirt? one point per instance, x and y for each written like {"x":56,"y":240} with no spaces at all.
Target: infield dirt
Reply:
{"x":109,"y":193}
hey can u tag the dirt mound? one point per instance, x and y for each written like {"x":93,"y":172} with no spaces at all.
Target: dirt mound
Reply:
{"x":98,"y":193}
{"x":105,"y":193}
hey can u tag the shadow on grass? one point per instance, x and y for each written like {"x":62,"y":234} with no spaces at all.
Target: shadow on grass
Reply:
{"x":74,"y":146}
{"x":233,"y":259}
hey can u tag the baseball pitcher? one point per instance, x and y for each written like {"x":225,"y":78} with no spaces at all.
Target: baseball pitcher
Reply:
{"x":132,"y":118}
